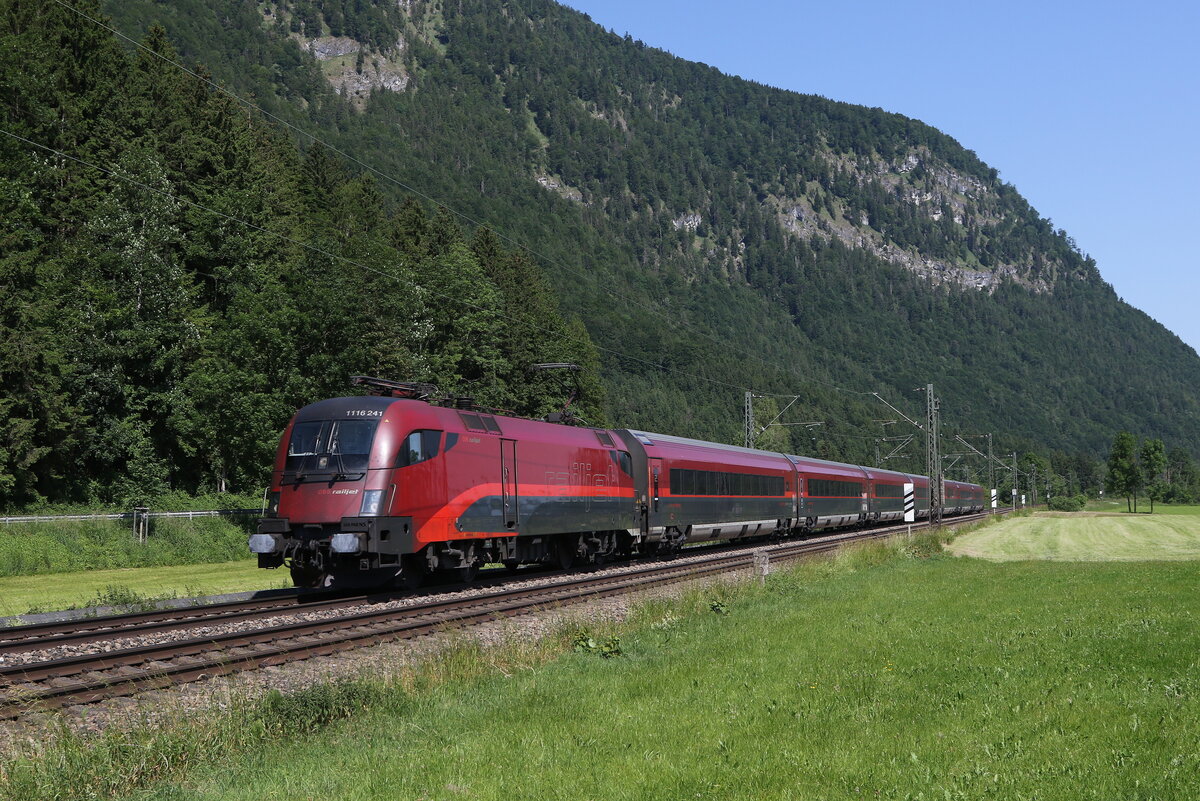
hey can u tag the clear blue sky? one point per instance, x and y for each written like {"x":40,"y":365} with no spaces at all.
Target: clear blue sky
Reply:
{"x":1091,"y":110}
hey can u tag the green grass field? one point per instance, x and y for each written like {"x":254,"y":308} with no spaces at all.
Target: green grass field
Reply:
{"x":1171,"y":533}
{"x":882,"y":675}
{"x":21,"y":594}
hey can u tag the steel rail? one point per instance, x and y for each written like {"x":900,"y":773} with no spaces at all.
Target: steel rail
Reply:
{"x":77,"y":680}
{"x":40,"y":636}
{"x":93,"y":677}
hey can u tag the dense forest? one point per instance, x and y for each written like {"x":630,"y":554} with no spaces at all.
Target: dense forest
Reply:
{"x":178,"y":278}
{"x":504,"y":183}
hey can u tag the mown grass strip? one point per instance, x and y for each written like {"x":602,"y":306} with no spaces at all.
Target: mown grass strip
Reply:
{"x":134,"y":587}
{"x":1088,"y":536}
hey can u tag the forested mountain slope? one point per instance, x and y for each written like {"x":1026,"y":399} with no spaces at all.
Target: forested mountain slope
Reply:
{"x":713,"y":234}
{"x":177,"y":279}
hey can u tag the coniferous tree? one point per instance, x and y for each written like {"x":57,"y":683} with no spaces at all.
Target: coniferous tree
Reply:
{"x":260,"y":324}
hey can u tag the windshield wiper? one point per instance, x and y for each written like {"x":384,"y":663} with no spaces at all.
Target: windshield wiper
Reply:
{"x":306,"y":472}
{"x":340,"y":475}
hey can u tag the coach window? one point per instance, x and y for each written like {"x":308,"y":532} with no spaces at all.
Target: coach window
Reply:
{"x":419,"y":446}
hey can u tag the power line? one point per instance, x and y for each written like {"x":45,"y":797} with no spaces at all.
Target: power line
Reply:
{"x":665,"y":368}
{"x":408,"y":188}
{"x":313,"y":248}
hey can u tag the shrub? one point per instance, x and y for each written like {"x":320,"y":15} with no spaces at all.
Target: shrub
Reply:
{"x":73,"y":545}
{"x":1068,"y":503}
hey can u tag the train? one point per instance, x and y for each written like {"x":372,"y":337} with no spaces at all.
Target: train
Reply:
{"x":392,"y":487}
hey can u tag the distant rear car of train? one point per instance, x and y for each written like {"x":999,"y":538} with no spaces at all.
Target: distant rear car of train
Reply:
{"x":389,"y":488}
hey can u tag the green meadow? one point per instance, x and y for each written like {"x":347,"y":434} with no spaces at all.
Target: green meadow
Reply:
{"x":1171,"y":533}
{"x":67,"y":546}
{"x":73,"y":563}
{"x":132,"y":586}
{"x":893,"y":671}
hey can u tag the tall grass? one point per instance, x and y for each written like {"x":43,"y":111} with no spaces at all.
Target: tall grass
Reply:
{"x":70,"y":765}
{"x":74,"y":545}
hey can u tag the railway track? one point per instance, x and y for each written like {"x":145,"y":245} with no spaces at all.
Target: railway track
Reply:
{"x":93,"y":677}
{"x":40,"y":636}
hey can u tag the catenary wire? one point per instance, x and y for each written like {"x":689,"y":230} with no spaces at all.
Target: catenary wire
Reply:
{"x":308,"y":246}
{"x":513,"y":242}
{"x":409,"y":188}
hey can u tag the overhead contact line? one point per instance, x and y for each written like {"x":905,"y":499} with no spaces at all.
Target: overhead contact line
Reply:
{"x":461,"y":215}
{"x":313,"y":248}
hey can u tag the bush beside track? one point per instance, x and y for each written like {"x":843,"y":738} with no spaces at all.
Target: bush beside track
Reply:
{"x":74,"y":545}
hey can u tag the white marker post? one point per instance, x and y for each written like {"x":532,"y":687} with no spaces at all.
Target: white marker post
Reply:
{"x":995,"y":496}
{"x":762,"y":565}
{"x":910,"y":506}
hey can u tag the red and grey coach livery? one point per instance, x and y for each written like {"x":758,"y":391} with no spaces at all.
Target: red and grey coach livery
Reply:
{"x":393,"y":486}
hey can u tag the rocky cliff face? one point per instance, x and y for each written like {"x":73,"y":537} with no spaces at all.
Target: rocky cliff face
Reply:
{"x":930,"y":193}
{"x":354,"y":69}
{"x":933,"y":190}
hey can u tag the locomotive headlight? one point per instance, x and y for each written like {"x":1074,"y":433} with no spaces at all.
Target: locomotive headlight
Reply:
{"x":370,"y":503}
{"x":345,"y":542}
{"x":262,"y":543}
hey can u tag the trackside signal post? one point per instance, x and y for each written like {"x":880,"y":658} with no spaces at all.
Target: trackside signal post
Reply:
{"x":991,"y":471}
{"x":1014,"y":490}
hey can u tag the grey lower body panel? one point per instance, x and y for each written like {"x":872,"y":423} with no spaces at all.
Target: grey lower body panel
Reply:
{"x":388,"y":535}
{"x":722,"y":530}
{"x":539,"y":516}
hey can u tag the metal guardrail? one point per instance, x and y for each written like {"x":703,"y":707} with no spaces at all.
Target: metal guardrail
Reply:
{"x":130,"y":515}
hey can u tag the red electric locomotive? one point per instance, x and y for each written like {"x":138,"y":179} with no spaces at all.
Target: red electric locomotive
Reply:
{"x":390,"y":487}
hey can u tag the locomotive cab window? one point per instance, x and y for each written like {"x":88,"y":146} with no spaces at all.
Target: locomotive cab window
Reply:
{"x":419,"y":446}
{"x":330,"y":445}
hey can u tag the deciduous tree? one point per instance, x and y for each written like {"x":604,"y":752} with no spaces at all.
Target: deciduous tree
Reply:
{"x":1124,"y":473}
{"x":1154,"y":462}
